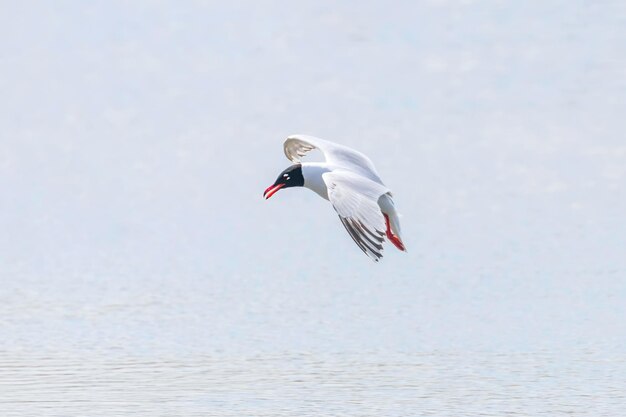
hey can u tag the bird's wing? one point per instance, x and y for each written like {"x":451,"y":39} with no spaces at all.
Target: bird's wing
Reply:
{"x":296,"y":146}
{"x":355,"y":200}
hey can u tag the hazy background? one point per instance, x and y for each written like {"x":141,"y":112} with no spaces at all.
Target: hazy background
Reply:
{"x":137,"y":137}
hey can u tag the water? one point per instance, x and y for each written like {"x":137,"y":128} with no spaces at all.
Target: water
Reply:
{"x":435,"y":383}
{"x":142,"y":273}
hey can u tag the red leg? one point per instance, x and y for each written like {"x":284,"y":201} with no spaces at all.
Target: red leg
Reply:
{"x":393,"y":238}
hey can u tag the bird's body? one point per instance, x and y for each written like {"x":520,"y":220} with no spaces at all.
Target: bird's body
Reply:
{"x":348,"y":179}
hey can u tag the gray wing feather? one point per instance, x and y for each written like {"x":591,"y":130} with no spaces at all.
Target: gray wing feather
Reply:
{"x":296,"y":146}
{"x":355,"y":200}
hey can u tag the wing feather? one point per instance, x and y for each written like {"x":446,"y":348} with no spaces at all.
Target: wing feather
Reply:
{"x":355,"y":200}
{"x":297,"y":146}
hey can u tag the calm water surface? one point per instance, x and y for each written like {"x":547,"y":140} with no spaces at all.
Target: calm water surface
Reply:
{"x":142,"y":274}
{"x":368,"y":383}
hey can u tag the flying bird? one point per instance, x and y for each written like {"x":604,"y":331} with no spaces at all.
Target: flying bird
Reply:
{"x":348,"y":179}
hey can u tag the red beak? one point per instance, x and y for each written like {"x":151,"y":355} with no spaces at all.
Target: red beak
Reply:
{"x":272,"y":189}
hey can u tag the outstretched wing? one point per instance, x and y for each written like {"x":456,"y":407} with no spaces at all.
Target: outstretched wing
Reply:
{"x":355,"y":200}
{"x":296,"y":146}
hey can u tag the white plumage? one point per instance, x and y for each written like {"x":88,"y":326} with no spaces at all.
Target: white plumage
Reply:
{"x":348,"y":179}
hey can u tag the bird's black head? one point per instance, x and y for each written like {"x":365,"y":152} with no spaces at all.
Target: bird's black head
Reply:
{"x":291,"y":177}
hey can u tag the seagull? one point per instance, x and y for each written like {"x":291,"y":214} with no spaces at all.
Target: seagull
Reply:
{"x":347,"y":179}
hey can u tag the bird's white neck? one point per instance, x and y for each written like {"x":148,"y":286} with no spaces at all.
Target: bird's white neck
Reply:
{"x":312,"y":173}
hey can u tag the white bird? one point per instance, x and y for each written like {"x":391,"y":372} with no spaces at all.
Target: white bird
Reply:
{"x":350,"y":182}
